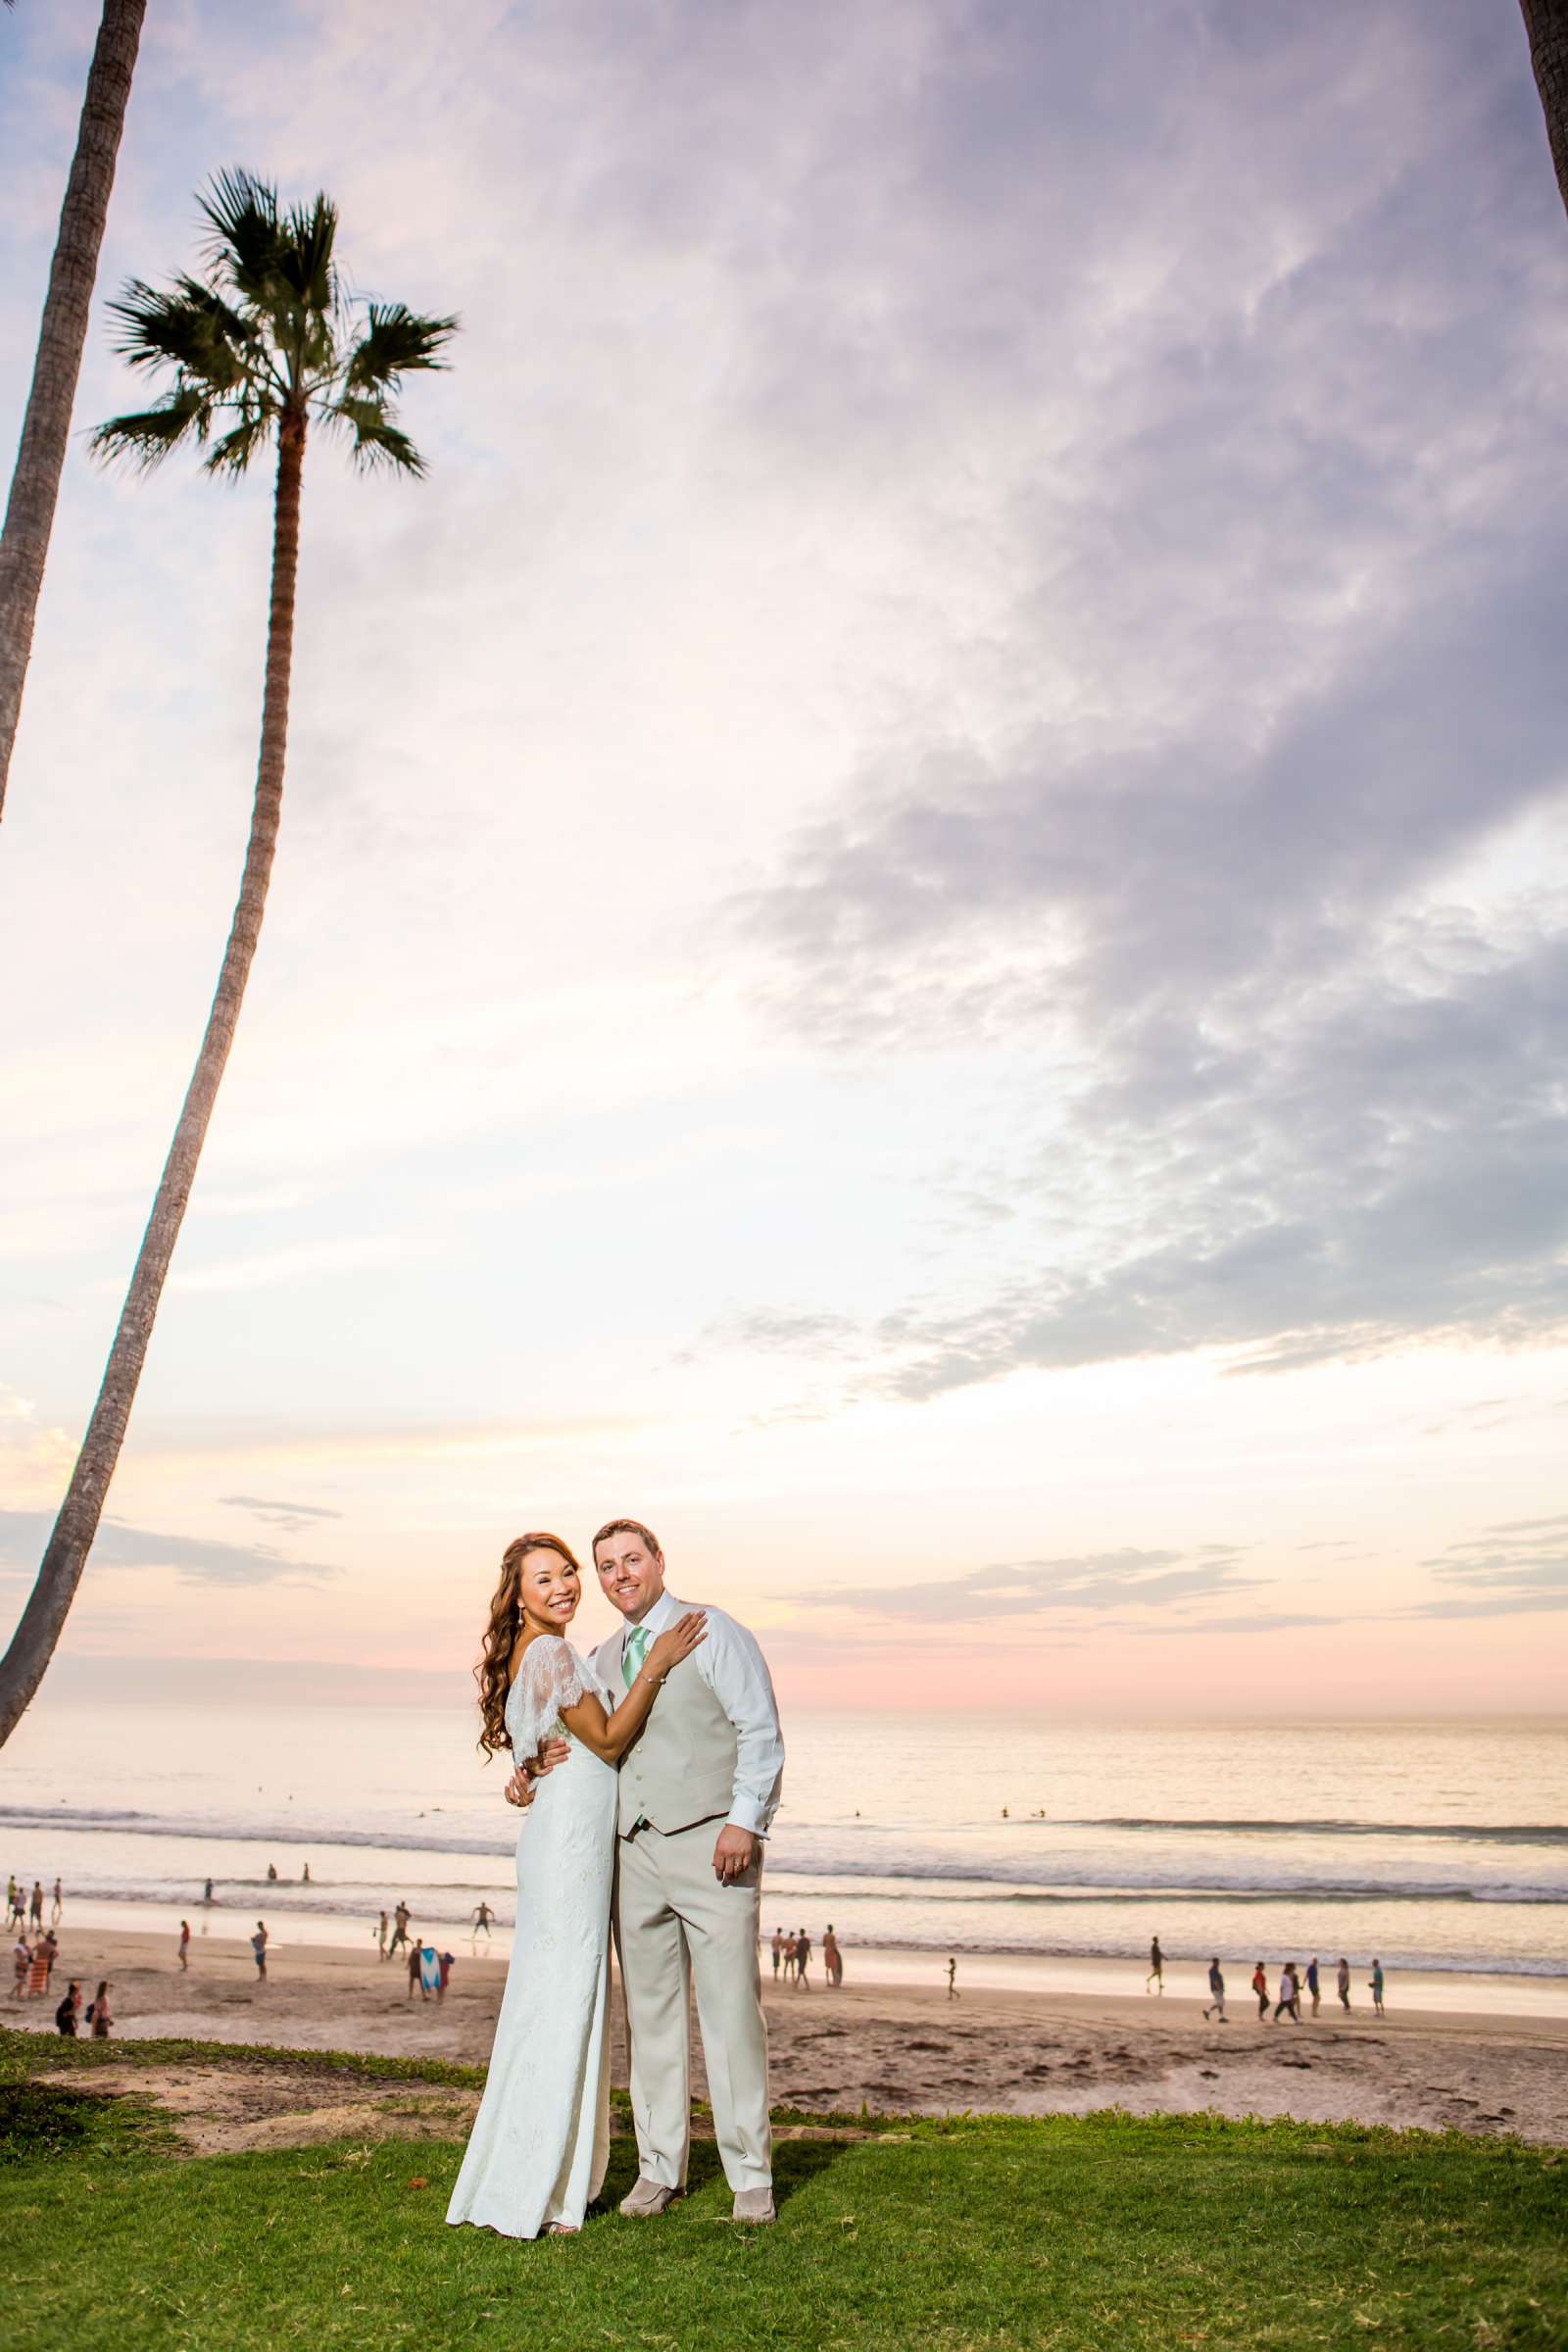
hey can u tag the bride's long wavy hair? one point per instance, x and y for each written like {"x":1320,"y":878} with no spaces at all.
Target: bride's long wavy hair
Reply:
{"x":493,"y":1671}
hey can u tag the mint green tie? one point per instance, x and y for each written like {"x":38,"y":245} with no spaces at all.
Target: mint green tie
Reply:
{"x":632,"y":1657}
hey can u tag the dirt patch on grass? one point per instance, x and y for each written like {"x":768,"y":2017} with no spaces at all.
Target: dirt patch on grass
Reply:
{"x":216,"y":2110}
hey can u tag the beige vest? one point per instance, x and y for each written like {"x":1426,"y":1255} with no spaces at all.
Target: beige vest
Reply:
{"x":680,"y":1768}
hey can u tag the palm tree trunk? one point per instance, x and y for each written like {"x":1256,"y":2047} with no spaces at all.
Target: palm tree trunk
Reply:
{"x":1546,"y":23}
{"x":46,"y":426}
{"x":33,"y":1645}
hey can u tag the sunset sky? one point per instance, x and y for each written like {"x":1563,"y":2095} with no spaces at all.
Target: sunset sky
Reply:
{"x":920,"y":930}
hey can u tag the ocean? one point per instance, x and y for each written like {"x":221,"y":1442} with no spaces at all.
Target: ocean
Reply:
{"x":1042,"y":1851}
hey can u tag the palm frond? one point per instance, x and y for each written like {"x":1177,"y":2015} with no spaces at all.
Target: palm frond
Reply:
{"x":232,"y":451}
{"x":395,"y":343}
{"x":242,"y":214}
{"x":374,"y":439}
{"x":189,"y":326}
{"x":307,"y":238}
{"x":146,"y":436}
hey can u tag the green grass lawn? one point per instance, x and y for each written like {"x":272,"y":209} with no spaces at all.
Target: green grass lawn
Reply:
{"x":1092,"y":2233}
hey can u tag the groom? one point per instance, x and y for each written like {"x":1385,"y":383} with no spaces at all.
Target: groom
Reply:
{"x":699,"y":1789}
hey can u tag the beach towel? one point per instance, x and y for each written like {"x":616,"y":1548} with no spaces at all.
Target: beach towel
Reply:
{"x":429,"y":1968}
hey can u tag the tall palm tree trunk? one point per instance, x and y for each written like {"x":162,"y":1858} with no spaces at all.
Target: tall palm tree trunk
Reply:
{"x":1546,"y":23}
{"x":33,"y":1645}
{"x":46,"y":425}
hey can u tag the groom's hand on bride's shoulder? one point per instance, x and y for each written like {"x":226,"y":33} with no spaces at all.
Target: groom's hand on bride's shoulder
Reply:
{"x":734,"y":1855}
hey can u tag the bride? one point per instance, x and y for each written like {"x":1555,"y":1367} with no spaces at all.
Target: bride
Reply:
{"x":541,"y":2139}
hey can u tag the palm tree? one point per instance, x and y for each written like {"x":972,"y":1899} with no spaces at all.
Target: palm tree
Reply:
{"x":46,"y":425}
{"x":262,"y":346}
{"x":1546,"y":23}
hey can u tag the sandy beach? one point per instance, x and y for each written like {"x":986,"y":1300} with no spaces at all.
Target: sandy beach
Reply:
{"x":892,"y":2046}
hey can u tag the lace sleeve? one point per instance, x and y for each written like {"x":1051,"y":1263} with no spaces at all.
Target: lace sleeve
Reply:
{"x":550,"y":1678}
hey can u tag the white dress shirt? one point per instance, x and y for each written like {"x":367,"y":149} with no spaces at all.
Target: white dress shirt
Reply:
{"x":732,"y":1665}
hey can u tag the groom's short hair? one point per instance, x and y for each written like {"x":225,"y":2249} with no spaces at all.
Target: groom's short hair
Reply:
{"x":629,"y":1527}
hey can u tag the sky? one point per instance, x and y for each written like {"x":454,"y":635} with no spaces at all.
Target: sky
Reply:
{"x":920,"y":927}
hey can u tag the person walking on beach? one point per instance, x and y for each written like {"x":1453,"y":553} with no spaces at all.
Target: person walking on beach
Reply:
{"x":952,"y":1979}
{"x":802,"y":1959}
{"x":1341,"y":1979}
{"x":1313,"y":1986}
{"x":99,"y":2014}
{"x":1156,"y":1968}
{"x":380,"y":1932}
{"x":1375,"y":1987}
{"x":483,"y":1917}
{"x":69,"y":2011}
{"x":57,"y":1908}
{"x":259,"y":1948}
{"x":184,"y":1943}
{"x":1289,"y":1999}
{"x":1216,"y":1992}
{"x":1261,"y":1988}
{"x":832,"y":1961}
{"x":778,"y":1953}
{"x":400,"y":1927}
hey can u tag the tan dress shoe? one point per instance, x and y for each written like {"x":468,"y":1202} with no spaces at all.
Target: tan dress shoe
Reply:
{"x":755,"y":2205}
{"x":648,"y":2198}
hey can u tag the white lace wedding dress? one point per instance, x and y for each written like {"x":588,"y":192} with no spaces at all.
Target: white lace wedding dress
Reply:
{"x":541,"y":2139}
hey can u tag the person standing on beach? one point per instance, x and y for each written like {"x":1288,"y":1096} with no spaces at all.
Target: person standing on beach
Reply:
{"x":399,"y":1926}
{"x":69,"y":2011}
{"x":832,"y":1961}
{"x":483,"y":1917}
{"x":1156,"y":1968}
{"x":802,"y":1959}
{"x":446,"y":1974}
{"x":778,"y":1953}
{"x":1261,"y":1988}
{"x":1375,"y":1987}
{"x":1342,"y":1980}
{"x":99,"y":2014}
{"x":789,"y":1958}
{"x":415,"y":1975}
{"x":207,"y":1890}
{"x":57,"y":1908}
{"x":259,"y":1948}
{"x":184,"y":1943}
{"x":21,"y":1961}
{"x":380,"y":1933}
{"x":36,"y":1907}
{"x":1216,"y":1992}
{"x":952,"y":1979}
{"x":1313,"y":1986}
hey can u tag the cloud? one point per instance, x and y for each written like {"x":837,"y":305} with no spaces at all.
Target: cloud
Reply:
{"x":25,"y":1533}
{"x":292,"y":1517}
{"x":1517,"y":1568}
{"x":1093,"y":1581}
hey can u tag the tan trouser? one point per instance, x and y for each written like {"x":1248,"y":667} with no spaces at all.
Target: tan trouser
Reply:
{"x":675,"y":1923}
